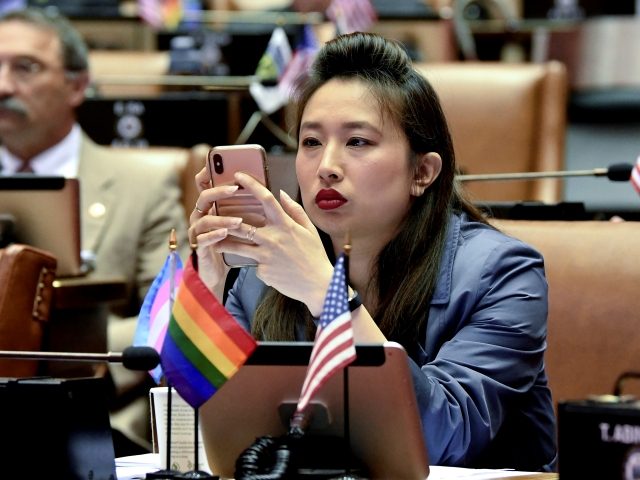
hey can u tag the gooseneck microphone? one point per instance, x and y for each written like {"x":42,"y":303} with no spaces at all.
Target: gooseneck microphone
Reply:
{"x":619,"y":172}
{"x":134,"y":358}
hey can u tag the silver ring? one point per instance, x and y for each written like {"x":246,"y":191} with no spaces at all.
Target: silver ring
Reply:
{"x":251,"y":233}
{"x":197,"y":209}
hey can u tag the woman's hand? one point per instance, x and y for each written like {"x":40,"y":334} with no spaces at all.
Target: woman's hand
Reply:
{"x":206,"y":230}
{"x":288,"y":249}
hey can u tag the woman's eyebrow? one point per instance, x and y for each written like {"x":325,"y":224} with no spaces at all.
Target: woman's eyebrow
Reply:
{"x":351,"y":125}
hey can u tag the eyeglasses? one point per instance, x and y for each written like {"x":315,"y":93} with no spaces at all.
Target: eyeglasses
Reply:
{"x":24,"y":69}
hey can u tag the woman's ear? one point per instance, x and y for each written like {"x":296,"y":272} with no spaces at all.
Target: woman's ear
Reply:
{"x":427,"y":170}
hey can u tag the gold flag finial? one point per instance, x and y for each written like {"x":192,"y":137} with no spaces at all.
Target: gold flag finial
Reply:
{"x":347,"y":243}
{"x":173,"y":240}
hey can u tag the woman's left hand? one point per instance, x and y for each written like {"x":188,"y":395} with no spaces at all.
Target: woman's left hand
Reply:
{"x":290,"y":255}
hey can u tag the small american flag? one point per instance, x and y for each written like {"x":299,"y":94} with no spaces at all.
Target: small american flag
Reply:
{"x":333,"y":348}
{"x":635,"y":175}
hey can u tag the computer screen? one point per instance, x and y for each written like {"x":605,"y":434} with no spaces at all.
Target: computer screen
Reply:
{"x":45,"y":212}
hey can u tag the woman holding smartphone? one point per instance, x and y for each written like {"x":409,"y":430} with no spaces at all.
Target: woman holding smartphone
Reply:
{"x":468,"y":303}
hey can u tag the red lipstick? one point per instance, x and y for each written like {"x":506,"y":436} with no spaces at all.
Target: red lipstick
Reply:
{"x":329,"y":199}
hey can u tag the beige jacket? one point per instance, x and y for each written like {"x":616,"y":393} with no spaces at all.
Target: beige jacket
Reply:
{"x":130,"y":201}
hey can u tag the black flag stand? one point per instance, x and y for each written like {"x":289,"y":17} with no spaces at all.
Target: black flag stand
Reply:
{"x":196,"y":472}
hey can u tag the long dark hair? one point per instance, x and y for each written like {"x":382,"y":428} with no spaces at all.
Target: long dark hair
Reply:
{"x":407,"y":267}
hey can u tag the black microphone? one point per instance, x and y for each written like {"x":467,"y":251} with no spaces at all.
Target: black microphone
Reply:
{"x":619,"y":172}
{"x":133,"y":358}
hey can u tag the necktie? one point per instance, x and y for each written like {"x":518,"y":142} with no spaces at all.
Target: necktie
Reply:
{"x":25,"y":168}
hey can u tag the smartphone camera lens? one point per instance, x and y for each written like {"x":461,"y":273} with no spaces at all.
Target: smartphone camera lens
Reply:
{"x":218,"y":166}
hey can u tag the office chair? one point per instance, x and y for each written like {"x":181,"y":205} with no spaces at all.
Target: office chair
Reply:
{"x":26,"y":276}
{"x":505,"y":118}
{"x":593,"y":271}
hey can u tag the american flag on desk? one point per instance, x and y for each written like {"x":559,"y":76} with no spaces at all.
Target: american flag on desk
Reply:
{"x":635,"y":175}
{"x":334,"y":347}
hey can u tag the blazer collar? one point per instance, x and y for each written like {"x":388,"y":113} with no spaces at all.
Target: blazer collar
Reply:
{"x":442,"y":293}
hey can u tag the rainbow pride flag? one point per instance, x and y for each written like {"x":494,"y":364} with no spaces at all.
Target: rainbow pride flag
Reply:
{"x":204,"y":345}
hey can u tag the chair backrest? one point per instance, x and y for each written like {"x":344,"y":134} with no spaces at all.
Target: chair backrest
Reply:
{"x":186,"y":161}
{"x":194,"y":161}
{"x":106,"y":65}
{"x":26,"y":276}
{"x":505,"y":118}
{"x":593,"y":270}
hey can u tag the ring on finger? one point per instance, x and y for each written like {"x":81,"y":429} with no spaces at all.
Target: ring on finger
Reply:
{"x":251,"y":233}
{"x":197,"y":209}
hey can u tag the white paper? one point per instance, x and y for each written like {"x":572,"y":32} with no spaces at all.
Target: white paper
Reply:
{"x":182,"y":432}
{"x":136,"y":466}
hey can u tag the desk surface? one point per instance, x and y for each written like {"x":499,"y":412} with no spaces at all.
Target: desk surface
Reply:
{"x":138,"y":465}
{"x":78,"y":321}
{"x":79,"y":292}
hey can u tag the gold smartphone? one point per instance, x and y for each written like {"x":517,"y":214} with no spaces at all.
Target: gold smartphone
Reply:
{"x":223,"y":162}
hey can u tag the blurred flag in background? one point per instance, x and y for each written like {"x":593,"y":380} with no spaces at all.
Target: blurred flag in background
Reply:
{"x":635,"y":175}
{"x":300,"y":64}
{"x":165,"y":14}
{"x":270,"y":69}
{"x":8,"y":5}
{"x":351,"y":15}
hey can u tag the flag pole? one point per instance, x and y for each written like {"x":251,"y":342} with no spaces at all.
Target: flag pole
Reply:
{"x":345,"y":374}
{"x":168,"y":472}
{"x":196,"y":473}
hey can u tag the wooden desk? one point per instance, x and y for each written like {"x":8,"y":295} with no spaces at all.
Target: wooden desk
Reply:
{"x":78,"y":321}
{"x":84,"y":292}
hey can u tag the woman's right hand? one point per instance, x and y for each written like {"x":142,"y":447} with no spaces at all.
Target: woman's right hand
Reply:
{"x":206,"y":230}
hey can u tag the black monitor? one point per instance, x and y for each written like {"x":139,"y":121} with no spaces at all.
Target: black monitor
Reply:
{"x":44,"y":212}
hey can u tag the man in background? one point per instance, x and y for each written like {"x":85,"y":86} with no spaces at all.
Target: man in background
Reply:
{"x":127,"y":208}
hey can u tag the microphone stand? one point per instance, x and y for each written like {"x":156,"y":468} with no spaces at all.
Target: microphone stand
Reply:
{"x":617,"y":172}
{"x":132,"y":358}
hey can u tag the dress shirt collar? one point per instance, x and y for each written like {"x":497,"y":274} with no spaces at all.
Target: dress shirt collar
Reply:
{"x":61,"y":159}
